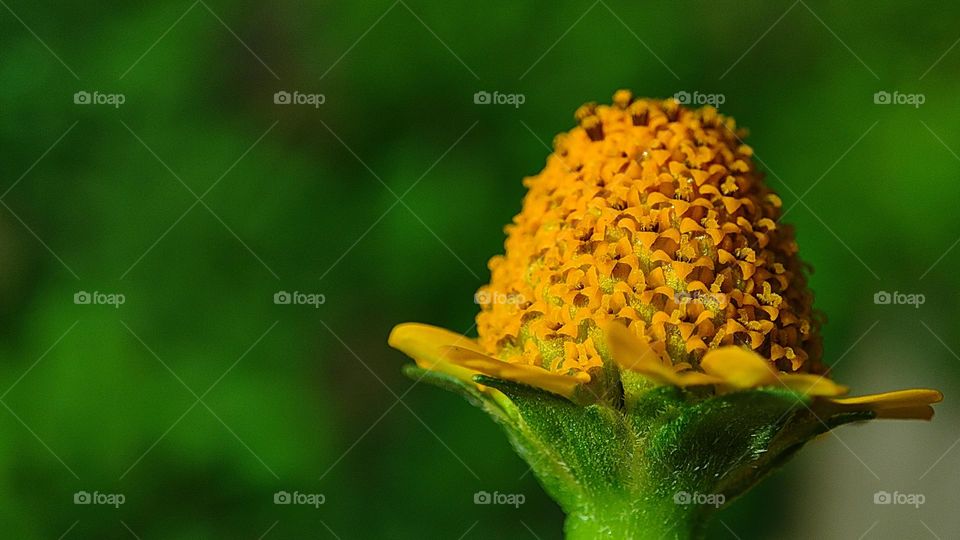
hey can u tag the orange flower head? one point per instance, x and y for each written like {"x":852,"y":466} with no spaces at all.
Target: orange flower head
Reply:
{"x":653,"y":216}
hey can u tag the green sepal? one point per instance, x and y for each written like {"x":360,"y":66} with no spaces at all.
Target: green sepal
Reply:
{"x":500,"y":408}
{"x":616,"y":469}
{"x":574,"y":450}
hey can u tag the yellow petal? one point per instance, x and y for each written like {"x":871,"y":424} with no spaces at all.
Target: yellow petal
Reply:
{"x":739,"y":367}
{"x":692,"y":378}
{"x":920,"y":412}
{"x":812,"y":385}
{"x":899,"y":398}
{"x":633,"y":354}
{"x":914,"y":403}
{"x":564,"y":385}
{"x":629,"y":351}
{"x":427,"y":345}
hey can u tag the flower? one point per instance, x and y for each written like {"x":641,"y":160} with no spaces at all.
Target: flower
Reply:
{"x":655,"y":216}
{"x":650,"y":217}
{"x":647,"y":270}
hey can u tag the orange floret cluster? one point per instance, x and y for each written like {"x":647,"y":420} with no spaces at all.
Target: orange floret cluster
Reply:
{"x":652,"y":215}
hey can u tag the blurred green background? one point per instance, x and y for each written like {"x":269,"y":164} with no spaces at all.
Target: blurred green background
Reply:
{"x":200,"y":398}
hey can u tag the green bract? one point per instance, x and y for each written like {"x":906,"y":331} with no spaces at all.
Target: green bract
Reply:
{"x":657,"y":465}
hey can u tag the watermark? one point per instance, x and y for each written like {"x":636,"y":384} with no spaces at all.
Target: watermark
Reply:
{"x":896,"y":98}
{"x":106,"y":499}
{"x":908,"y":499}
{"x":297,"y":98}
{"x":483,"y":97}
{"x":715,"y":500}
{"x":297,"y":298}
{"x":97,"y":98}
{"x":97,"y":298}
{"x":508,"y":499}
{"x":702,"y":297}
{"x":885,"y":298}
{"x":305,"y":499}
{"x":486,"y":298}
{"x":698,"y":98}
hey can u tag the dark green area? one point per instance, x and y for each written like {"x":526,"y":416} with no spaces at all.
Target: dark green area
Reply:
{"x":90,"y":407}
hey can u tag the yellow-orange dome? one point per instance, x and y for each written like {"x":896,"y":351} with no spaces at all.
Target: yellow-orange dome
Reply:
{"x":652,"y":215}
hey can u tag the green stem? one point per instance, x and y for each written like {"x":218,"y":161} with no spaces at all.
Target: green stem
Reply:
{"x":636,"y":520}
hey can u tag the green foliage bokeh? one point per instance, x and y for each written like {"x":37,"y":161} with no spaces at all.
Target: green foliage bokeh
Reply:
{"x":90,"y":407}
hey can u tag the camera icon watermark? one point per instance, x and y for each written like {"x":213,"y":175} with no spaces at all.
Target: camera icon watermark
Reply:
{"x":908,"y":499}
{"x":698,"y":98}
{"x":97,"y":298}
{"x":297,"y":298}
{"x":105,"y":499}
{"x":97,"y":98}
{"x":304,"y":499}
{"x":482,"y":97}
{"x":715,"y":500}
{"x":884,"y":298}
{"x":896,"y":98}
{"x":508,"y":499}
{"x":283,"y":97}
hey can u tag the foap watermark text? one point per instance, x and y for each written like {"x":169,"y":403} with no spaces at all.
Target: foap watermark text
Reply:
{"x":885,"y":298}
{"x":485,"y":297}
{"x":297,"y":298}
{"x":99,"y":98}
{"x":715,"y":500}
{"x":907,"y":499}
{"x":105,"y":499}
{"x":97,"y":298}
{"x":701,"y":297}
{"x":508,"y":499}
{"x":298,"y":98}
{"x":698,"y":98}
{"x":896,"y":98}
{"x":303,"y":499}
{"x":483,"y":97}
